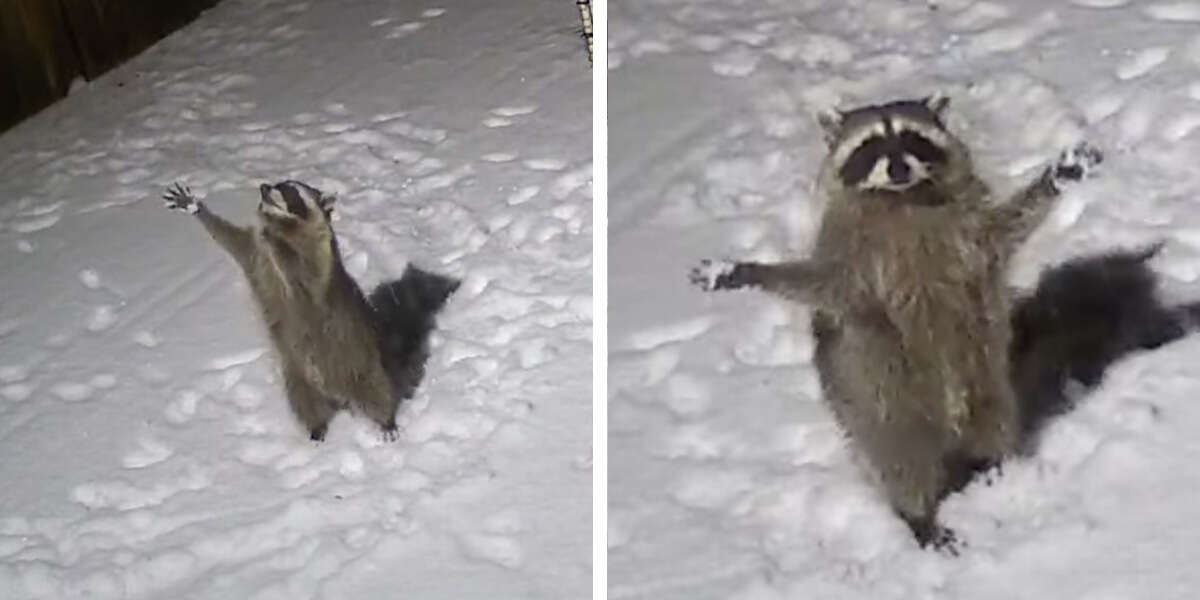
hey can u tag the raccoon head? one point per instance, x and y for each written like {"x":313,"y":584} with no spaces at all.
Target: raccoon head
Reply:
{"x":295,"y":219}
{"x":891,"y":147}
{"x":292,"y":206}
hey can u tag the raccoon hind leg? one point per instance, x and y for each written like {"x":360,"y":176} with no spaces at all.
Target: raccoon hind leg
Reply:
{"x":374,"y":397}
{"x":961,"y":469}
{"x":312,"y":408}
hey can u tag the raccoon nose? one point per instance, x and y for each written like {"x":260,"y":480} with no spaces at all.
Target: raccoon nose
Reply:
{"x":898,"y":170}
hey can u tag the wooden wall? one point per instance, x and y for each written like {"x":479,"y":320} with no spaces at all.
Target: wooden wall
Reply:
{"x":45,"y":44}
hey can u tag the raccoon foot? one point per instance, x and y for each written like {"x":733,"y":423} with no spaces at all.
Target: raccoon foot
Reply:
{"x":712,"y":275}
{"x":179,"y":197}
{"x":317,"y":434}
{"x":1076,"y":162}
{"x":391,"y":433}
{"x":931,"y":535}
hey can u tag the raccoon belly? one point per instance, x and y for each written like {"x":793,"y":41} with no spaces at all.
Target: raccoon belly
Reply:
{"x":875,"y":389}
{"x":881,"y":383}
{"x":958,"y":347}
{"x":331,"y":353}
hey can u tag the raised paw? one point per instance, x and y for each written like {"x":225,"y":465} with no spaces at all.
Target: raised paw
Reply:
{"x":1077,"y":162}
{"x":179,"y":197}
{"x":712,"y":275}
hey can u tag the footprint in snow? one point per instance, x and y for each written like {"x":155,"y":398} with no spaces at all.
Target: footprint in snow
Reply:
{"x":1186,"y":12}
{"x":90,"y":279}
{"x":149,"y":452}
{"x":122,"y":495}
{"x":72,"y":391}
{"x":102,"y":318}
{"x":514,"y":111}
{"x":1142,"y":62}
{"x":404,"y":30}
{"x":545,"y":164}
{"x":13,"y":373}
{"x":499,"y":157}
{"x":233,"y":360}
{"x":35,"y":224}
{"x":500,"y":550}
{"x":182,"y":408}
{"x":146,"y":339}
{"x":679,"y":331}
{"x":1181,"y":126}
{"x":738,"y":62}
{"x":17,"y":392}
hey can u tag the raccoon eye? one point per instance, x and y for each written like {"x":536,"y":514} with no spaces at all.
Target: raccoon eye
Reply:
{"x":295,"y":204}
{"x":860,"y":162}
{"x":923,"y":149}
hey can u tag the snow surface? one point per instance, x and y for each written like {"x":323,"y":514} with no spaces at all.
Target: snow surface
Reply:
{"x":148,"y":449}
{"x":728,"y":478}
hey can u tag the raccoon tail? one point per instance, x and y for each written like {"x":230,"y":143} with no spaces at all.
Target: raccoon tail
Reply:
{"x":404,"y":316}
{"x":1084,"y":315}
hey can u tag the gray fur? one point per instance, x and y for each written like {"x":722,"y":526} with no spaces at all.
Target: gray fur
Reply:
{"x":323,"y":329}
{"x":911,"y":310}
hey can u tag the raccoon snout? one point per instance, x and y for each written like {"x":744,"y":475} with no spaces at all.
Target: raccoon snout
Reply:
{"x":898,"y":170}
{"x":265,"y":189}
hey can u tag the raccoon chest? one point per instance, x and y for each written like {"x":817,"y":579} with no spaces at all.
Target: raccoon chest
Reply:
{"x":939,"y":273}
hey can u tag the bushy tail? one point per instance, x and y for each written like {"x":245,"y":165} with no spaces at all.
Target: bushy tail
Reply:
{"x":404,"y":313}
{"x":1084,"y":315}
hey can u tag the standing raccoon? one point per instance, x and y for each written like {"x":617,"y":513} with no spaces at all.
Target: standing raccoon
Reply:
{"x":337,"y":350}
{"x":910,"y":305}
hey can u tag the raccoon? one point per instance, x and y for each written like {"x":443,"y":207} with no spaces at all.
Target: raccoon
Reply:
{"x":910,"y":305}
{"x":337,"y":349}
{"x":1084,"y":315}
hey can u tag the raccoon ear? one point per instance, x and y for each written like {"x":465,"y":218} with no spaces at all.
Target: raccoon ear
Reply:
{"x":326,"y":202}
{"x":936,"y":102}
{"x":830,"y":121}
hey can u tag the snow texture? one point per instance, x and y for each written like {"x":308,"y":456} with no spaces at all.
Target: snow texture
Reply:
{"x":148,"y":448}
{"x":728,"y":477}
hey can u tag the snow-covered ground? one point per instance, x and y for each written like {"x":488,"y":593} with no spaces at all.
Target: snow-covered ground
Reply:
{"x":148,"y":451}
{"x":728,"y":478}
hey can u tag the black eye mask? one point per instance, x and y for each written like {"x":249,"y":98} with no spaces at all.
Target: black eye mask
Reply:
{"x":295,"y":204}
{"x":859,"y":164}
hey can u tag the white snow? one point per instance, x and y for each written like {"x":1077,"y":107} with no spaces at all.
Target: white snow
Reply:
{"x":148,"y":448}
{"x":728,"y":478}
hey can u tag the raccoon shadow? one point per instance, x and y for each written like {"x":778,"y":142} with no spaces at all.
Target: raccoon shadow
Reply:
{"x":1083,"y":316}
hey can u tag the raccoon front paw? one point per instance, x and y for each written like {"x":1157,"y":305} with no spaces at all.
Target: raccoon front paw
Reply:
{"x":1076,"y":162}
{"x":179,"y":197}
{"x":712,"y":275}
